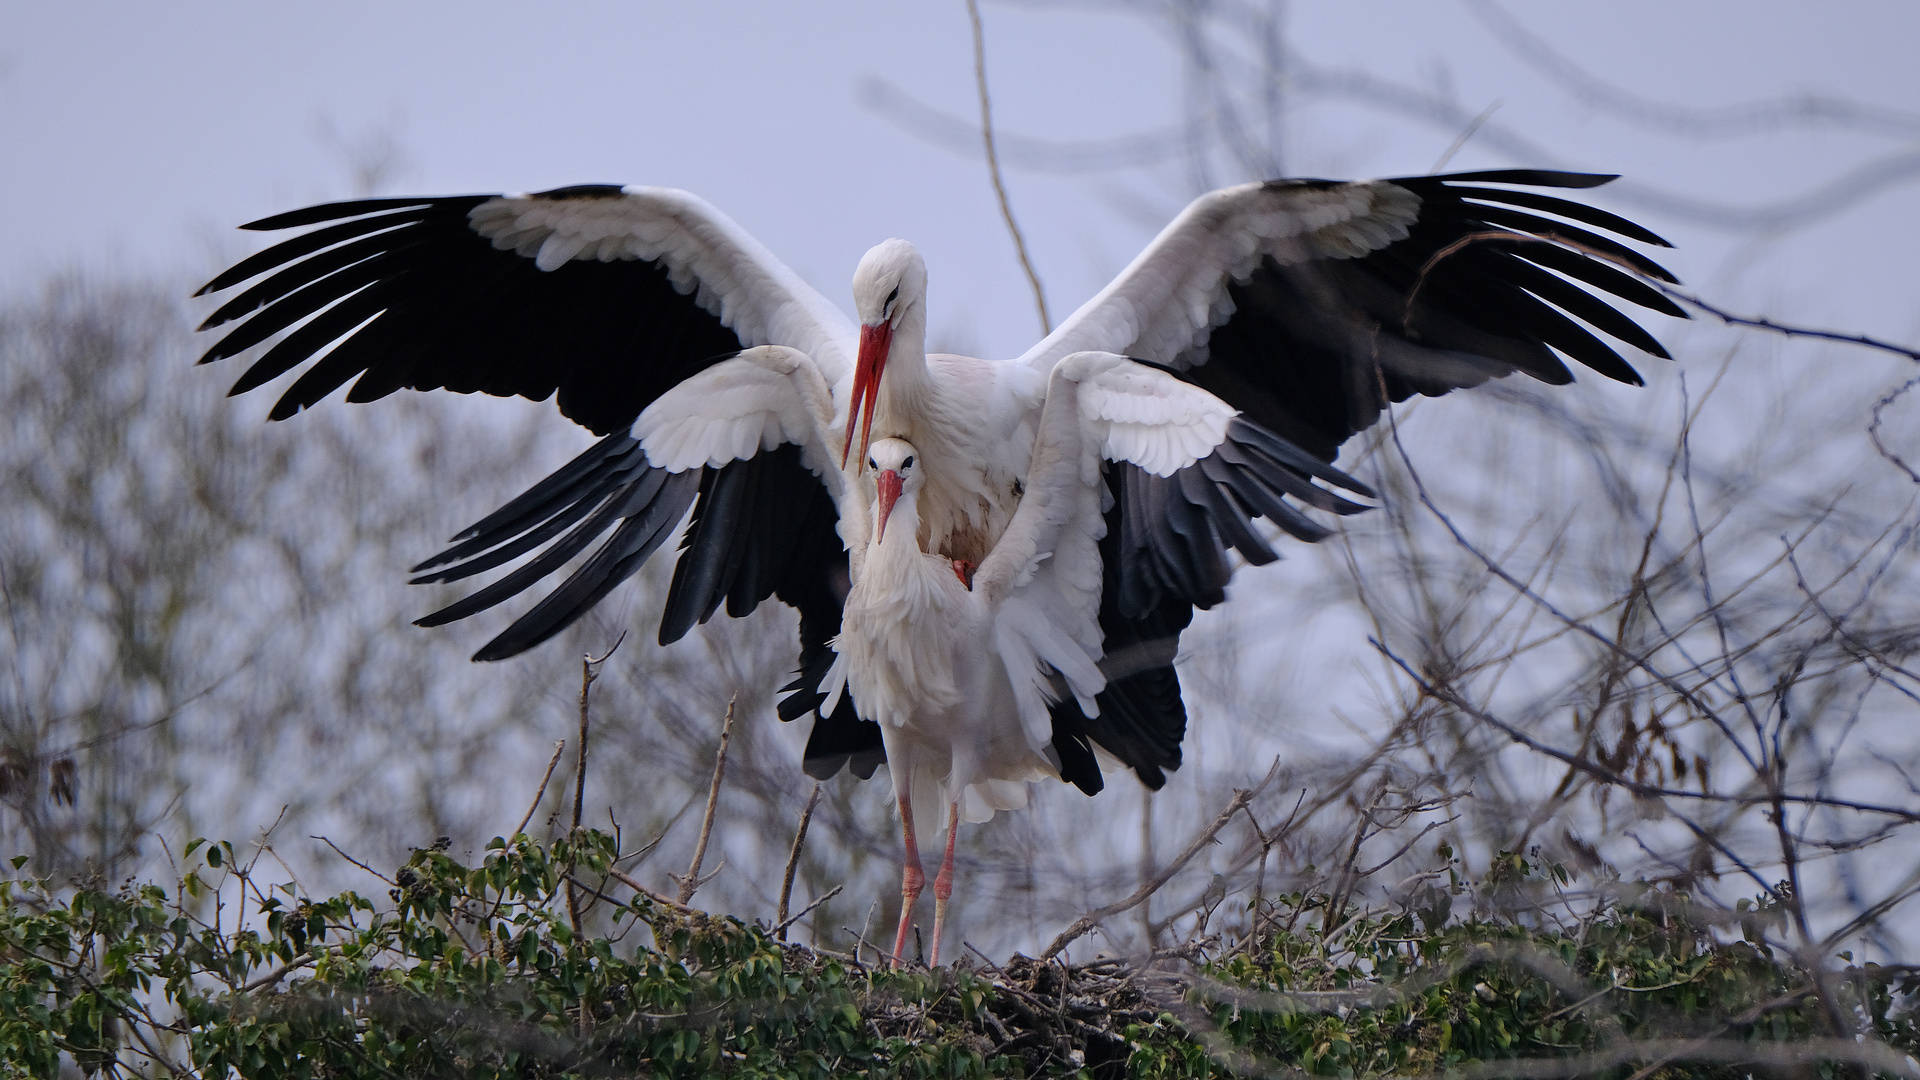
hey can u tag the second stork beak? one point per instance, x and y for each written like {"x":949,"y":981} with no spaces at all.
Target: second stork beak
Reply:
{"x":876,"y":342}
{"x":888,"y":483}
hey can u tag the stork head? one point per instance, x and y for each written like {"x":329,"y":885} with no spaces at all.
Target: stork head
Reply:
{"x":889,"y":285}
{"x":896,"y":472}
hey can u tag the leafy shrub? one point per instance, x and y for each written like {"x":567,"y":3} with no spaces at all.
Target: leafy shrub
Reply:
{"x":479,"y":971}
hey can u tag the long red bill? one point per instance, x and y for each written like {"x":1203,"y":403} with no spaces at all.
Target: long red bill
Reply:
{"x":876,"y":341}
{"x":888,"y":483}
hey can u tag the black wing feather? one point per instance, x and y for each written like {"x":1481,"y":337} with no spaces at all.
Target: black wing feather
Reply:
{"x":1142,"y":717}
{"x":333,"y":211}
{"x":622,"y":556}
{"x":398,"y":293}
{"x":405,"y":294}
{"x":1567,"y":208}
{"x":1520,"y":221}
{"x":1169,"y":535}
{"x":1314,"y":351}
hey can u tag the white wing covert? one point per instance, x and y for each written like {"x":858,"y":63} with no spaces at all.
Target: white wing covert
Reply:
{"x":1163,"y":306}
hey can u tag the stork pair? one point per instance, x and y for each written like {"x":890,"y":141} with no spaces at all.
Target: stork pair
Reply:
{"x":1091,"y":489}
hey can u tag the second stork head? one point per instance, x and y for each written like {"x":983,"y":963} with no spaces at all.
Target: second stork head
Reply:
{"x":896,"y":474}
{"x":889,"y":296}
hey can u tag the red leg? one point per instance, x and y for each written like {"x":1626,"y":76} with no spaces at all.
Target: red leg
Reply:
{"x":943,"y":883}
{"x":912,"y":880}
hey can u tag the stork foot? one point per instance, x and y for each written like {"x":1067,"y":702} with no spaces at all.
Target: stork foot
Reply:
{"x":963,"y":569}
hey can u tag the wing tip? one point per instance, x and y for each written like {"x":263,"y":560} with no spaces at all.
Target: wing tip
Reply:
{"x":1535,"y":177}
{"x":331,"y":211}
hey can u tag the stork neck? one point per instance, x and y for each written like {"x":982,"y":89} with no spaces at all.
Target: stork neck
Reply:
{"x":905,"y":387}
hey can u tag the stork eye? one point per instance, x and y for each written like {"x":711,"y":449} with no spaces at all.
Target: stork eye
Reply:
{"x":907,"y":464}
{"x":887,"y":308}
{"x":872,"y":464}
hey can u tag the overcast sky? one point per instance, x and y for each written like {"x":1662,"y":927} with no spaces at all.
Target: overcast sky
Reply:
{"x":136,"y":135}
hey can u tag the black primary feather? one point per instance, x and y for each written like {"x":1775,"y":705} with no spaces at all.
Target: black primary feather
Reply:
{"x":403,"y":293}
{"x":1479,"y":288}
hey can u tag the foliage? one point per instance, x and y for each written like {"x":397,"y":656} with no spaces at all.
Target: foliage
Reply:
{"x":1411,"y":993}
{"x":479,"y":971}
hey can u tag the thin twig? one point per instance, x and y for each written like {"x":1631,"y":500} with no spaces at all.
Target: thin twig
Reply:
{"x":1751,"y":322}
{"x":351,"y":859}
{"x":1873,"y":429}
{"x":657,"y":897}
{"x":1764,"y":323}
{"x":1461,"y":139}
{"x":993,"y":166}
{"x":793,"y":864}
{"x":692,"y":881}
{"x":1241,"y":797}
{"x":558,"y":748}
{"x":780,"y":929}
{"x":1606,"y":775}
{"x":589,"y":671}
{"x":597,"y":894}
{"x":1876,"y":1055}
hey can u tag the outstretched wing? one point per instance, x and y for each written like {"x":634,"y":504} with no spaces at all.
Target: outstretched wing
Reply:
{"x":1128,"y":528}
{"x":605,"y":296}
{"x":742,"y":443}
{"x":1306,"y":306}
{"x":612,"y":299}
{"x":1310,"y":304}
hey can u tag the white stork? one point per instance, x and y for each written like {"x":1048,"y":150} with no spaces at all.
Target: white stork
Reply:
{"x":1213,"y":379}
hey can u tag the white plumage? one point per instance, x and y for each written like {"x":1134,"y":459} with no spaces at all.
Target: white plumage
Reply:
{"x":1055,"y":518}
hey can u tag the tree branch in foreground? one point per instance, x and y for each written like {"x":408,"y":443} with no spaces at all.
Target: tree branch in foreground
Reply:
{"x":1241,"y":797}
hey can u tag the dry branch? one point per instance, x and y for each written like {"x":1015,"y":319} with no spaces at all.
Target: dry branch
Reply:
{"x":534,"y":806}
{"x":1241,"y":797}
{"x":692,"y":881}
{"x":793,"y":864}
{"x":993,"y":166}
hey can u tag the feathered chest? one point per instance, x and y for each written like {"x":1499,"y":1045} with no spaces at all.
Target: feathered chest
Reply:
{"x":973,"y":455}
{"x":905,"y":623}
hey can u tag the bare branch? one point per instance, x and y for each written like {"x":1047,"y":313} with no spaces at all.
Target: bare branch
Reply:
{"x":1764,"y":323}
{"x":1241,"y":797}
{"x":534,"y":806}
{"x":1609,"y":776}
{"x":793,"y":864}
{"x":993,"y":166}
{"x":780,"y":929}
{"x":692,"y":881}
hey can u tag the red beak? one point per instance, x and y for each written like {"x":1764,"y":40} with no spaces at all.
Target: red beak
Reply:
{"x":876,"y":342}
{"x":889,"y":484}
